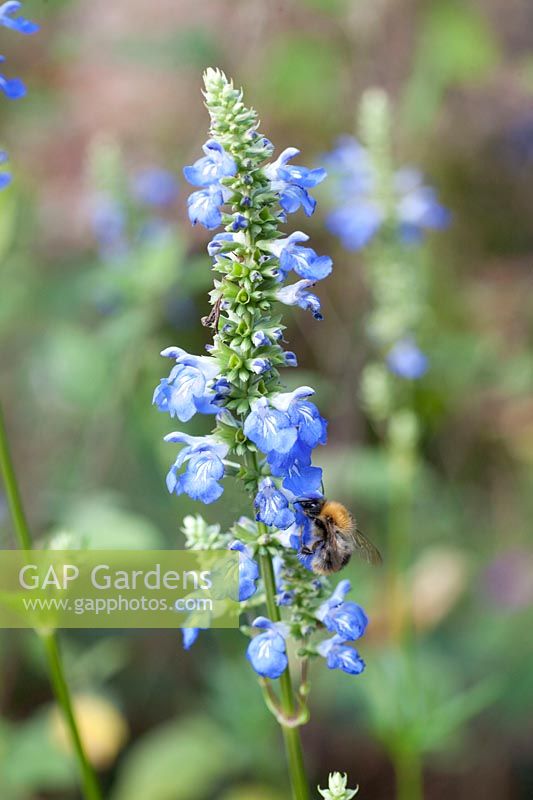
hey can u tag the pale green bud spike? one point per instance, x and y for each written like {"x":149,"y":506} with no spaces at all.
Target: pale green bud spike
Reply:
{"x":337,"y":789}
{"x":201,"y":536}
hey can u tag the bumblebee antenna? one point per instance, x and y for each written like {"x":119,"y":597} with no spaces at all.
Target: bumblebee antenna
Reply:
{"x":322,"y":487}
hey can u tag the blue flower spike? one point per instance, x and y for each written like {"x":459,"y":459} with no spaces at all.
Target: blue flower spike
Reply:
{"x":261,"y":434}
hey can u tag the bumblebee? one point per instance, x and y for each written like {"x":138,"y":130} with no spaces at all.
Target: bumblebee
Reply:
{"x":335,"y":536}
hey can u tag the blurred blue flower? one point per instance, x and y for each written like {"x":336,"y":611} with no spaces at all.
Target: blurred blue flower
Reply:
{"x":407,"y":360}
{"x":5,"y":177}
{"x":12,"y":87}
{"x":189,"y":636}
{"x":360,"y":211}
{"x":302,"y":260}
{"x":204,"y":206}
{"x":185,"y":392}
{"x":209,"y":169}
{"x":108,"y":222}
{"x":296,"y":294}
{"x":155,"y":187}
{"x":19,"y":24}
{"x":267,"y":652}
{"x":269,"y":428}
{"x":348,"y":620}
{"x":339,"y":656}
{"x":291,"y":182}
{"x":204,"y":467}
{"x":248,"y":571}
{"x":273,"y":505}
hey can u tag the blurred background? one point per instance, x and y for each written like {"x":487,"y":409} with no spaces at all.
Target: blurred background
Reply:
{"x":100,"y":270}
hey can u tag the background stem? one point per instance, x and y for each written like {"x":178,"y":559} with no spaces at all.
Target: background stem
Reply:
{"x":408,"y":770}
{"x":56,"y":671}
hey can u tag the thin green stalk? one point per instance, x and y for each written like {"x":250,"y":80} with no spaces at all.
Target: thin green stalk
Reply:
{"x":91,"y":788}
{"x":56,"y":671}
{"x":12,"y":489}
{"x":291,"y":735}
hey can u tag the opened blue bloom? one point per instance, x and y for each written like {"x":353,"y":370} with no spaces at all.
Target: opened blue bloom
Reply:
{"x":312,"y":427}
{"x":300,"y":477}
{"x":339,"y":656}
{"x":202,"y":456}
{"x":267,"y":652}
{"x":186,"y":391}
{"x":291,"y":182}
{"x":248,"y":571}
{"x":5,"y":177}
{"x":204,"y":206}
{"x":216,"y":164}
{"x":296,"y":294}
{"x":302,"y":260}
{"x":273,"y":505}
{"x":361,"y":212}
{"x":269,"y":428}
{"x":347,"y":619}
{"x":189,"y":635}
{"x":20,"y":24}
{"x":11,"y":87}
{"x":407,"y":360}
{"x":155,"y":187}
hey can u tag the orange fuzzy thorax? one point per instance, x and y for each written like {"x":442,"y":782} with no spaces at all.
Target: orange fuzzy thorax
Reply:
{"x":339,"y":514}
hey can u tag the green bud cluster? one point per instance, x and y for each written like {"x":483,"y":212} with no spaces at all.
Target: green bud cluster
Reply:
{"x":245,"y":291}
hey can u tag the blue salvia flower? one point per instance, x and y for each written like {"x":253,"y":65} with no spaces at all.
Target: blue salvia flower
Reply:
{"x":203,"y":457}
{"x":301,"y":260}
{"x":273,"y":505}
{"x":359,"y":210}
{"x":248,"y":571}
{"x":186,"y":391}
{"x":339,"y":656}
{"x":407,"y":360}
{"x":292,"y":183}
{"x":216,"y":164}
{"x":270,"y":433}
{"x":20,"y":24}
{"x":204,"y":206}
{"x":346,"y":619}
{"x":267,"y":652}
{"x":296,"y":294}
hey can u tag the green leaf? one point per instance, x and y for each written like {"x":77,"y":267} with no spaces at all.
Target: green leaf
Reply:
{"x":183,"y":760}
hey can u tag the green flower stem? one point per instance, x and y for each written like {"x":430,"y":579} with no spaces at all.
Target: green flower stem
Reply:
{"x":291,"y":735}
{"x":91,"y":788}
{"x":56,"y":671}
{"x":12,"y":489}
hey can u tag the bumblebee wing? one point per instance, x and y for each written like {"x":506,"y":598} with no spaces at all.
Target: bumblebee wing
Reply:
{"x":331,"y":533}
{"x":365,"y":548}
